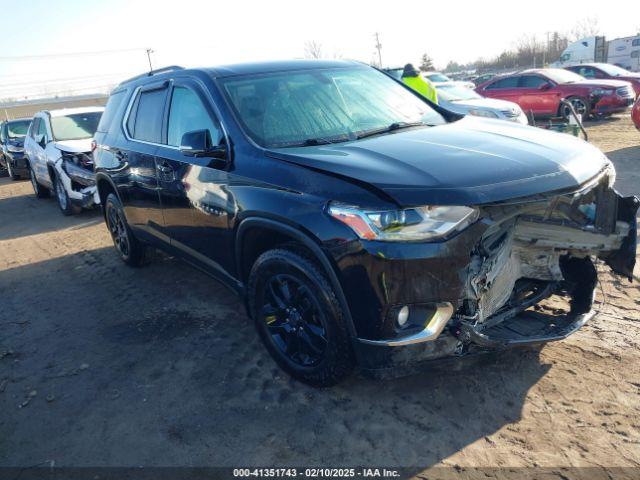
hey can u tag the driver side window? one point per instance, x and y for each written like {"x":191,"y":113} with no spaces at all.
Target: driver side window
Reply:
{"x":42,"y":130}
{"x":187,"y":113}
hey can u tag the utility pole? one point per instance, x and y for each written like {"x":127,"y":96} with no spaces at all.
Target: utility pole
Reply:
{"x":379,"y":48}
{"x":149,"y":52}
{"x":544,"y":54}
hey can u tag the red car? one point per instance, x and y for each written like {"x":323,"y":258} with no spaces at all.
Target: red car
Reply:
{"x":540,"y":91}
{"x":635,"y":114}
{"x":606,"y":71}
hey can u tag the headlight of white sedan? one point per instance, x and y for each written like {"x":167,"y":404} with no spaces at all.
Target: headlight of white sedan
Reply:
{"x":411,"y":224}
{"x":483,"y":113}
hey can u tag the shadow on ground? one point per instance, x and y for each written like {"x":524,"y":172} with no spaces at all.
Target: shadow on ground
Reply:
{"x":160,"y":366}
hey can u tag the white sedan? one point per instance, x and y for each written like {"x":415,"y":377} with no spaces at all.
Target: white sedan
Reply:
{"x":465,"y":101}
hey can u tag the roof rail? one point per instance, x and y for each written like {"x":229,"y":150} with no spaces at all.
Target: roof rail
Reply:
{"x":151,"y":73}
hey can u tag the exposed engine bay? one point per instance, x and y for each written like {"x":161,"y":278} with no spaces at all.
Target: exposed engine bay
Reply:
{"x":75,"y":170}
{"x":541,"y":247}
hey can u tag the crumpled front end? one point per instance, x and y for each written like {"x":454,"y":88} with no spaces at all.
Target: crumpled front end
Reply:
{"x":530,"y":277}
{"x":76,"y":172}
{"x":539,"y":248}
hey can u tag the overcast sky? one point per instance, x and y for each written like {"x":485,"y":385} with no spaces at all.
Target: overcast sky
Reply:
{"x":203,"y":33}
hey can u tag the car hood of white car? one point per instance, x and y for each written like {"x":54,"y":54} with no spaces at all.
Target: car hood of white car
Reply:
{"x":486,"y":104}
{"x":74,"y":146}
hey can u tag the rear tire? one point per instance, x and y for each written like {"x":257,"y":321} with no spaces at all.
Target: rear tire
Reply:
{"x":129,"y":248}
{"x":299,"y":318}
{"x":39,"y":190}
{"x":580,"y":105}
{"x":64,"y":202}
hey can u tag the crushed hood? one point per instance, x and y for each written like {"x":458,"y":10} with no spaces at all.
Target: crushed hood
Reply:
{"x":468,"y":162}
{"x":74,"y":146}
{"x":601,"y":83}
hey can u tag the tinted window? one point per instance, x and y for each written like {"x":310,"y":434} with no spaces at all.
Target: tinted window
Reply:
{"x":148,"y":111}
{"x":2,"y":134}
{"x":531,"y":81}
{"x":509,"y":82}
{"x":586,"y":72}
{"x":635,"y":42}
{"x":187,"y":113}
{"x":113,"y":105}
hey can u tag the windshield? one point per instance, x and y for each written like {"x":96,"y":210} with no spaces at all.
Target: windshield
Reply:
{"x":17,"y":129}
{"x":77,"y":126}
{"x":323,"y":106}
{"x":454,"y":93}
{"x":438,"y":77}
{"x":613,"y":70}
{"x":559,"y":75}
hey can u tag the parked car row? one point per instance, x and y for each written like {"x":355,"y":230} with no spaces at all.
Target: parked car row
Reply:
{"x":592,"y":89}
{"x":361,"y":224}
{"x":54,"y":149}
{"x":539,"y":91}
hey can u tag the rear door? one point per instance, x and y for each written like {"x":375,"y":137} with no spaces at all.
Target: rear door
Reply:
{"x":143,"y":129}
{"x":194,"y":191}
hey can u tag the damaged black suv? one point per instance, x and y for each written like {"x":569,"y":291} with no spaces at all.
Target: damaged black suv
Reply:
{"x":361,"y":224}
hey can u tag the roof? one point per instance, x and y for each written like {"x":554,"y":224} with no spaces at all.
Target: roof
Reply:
{"x":13,"y":120}
{"x":222,"y":71}
{"x":71,"y":111}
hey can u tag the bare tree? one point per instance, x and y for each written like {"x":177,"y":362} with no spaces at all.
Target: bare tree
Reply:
{"x":587,"y":27}
{"x":312,"y":49}
{"x":426,"y":63}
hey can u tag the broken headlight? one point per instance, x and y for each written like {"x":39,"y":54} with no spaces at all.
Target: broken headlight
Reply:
{"x":411,"y":224}
{"x":83,"y":160}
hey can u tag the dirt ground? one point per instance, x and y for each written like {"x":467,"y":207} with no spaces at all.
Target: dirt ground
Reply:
{"x":104,"y":365}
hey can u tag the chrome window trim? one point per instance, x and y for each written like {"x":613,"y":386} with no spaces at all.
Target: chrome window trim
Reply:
{"x":170,"y":86}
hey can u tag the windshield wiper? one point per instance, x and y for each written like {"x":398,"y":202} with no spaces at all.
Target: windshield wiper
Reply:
{"x":389,"y":128}
{"x":309,"y":142}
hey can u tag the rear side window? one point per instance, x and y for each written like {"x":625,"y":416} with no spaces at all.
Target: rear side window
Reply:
{"x":509,"y":82}
{"x":187,"y":114}
{"x":145,"y":118}
{"x":113,"y":106}
{"x":531,"y":81}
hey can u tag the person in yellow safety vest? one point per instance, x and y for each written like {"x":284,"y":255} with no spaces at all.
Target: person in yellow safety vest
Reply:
{"x":412,"y":79}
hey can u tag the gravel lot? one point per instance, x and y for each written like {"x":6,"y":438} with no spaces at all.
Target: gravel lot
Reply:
{"x":100,"y":365}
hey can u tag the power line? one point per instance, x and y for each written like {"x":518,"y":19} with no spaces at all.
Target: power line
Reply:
{"x":19,"y":58}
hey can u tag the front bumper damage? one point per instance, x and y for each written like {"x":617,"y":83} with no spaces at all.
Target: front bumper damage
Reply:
{"x":78,"y":178}
{"x":530,"y":278}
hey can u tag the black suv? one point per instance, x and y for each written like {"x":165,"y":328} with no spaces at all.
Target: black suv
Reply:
{"x":360,"y":223}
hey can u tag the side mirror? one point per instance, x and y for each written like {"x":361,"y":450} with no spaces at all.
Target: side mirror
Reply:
{"x":42,"y":141}
{"x":198,"y":144}
{"x":544,"y":87}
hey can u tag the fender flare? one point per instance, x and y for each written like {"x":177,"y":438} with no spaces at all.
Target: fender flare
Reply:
{"x":310,"y":244}
{"x":103,"y":176}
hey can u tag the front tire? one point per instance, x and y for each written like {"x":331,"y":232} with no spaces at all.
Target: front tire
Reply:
{"x":64,"y":202}
{"x":580,"y":105}
{"x":129,"y":248}
{"x":299,"y":318}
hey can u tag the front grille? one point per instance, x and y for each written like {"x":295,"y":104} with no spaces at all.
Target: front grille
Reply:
{"x":625,"y":92}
